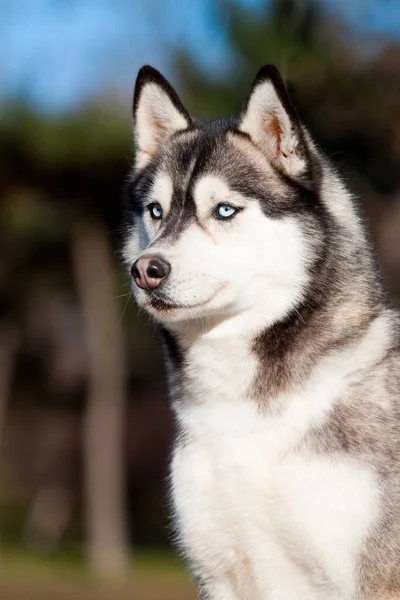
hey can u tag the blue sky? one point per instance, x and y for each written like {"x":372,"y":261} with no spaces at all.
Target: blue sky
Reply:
{"x":58,"y":53}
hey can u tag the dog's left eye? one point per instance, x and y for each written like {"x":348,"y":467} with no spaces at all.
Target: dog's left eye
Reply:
{"x":155,"y":211}
{"x":225,"y":211}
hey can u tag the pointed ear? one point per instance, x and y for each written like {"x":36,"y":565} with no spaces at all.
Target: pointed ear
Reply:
{"x":271,"y":122}
{"x":157,"y":114}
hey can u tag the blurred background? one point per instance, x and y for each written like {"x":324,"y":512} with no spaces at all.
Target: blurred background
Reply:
{"x":85,"y":428}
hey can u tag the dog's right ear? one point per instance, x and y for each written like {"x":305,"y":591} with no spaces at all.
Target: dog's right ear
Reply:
{"x":157,"y":114}
{"x":272,"y":124}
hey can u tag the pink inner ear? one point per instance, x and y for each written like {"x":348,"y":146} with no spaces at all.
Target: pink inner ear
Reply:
{"x":273,"y":130}
{"x":159,"y":129}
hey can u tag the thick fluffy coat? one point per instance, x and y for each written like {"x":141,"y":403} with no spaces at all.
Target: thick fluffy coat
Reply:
{"x":282,"y":352}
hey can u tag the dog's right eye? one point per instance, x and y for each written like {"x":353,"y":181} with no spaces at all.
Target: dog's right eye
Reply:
{"x":155,"y":211}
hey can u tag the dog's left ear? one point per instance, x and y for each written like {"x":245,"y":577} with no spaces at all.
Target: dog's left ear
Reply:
{"x":271,"y":122}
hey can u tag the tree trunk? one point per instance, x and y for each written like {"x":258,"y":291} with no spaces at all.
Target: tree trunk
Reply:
{"x":104,"y":469}
{"x":8,"y":349}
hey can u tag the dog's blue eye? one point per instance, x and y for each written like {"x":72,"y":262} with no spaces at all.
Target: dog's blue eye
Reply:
{"x":225,"y":211}
{"x":156,"y":211}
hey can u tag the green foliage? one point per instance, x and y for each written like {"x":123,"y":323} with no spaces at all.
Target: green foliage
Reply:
{"x":93,"y":134}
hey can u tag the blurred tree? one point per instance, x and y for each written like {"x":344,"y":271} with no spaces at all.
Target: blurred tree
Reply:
{"x":61,"y":185}
{"x":8,"y":350}
{"x":104,"y":472}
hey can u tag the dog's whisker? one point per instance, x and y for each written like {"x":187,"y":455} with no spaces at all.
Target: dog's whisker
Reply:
{"x":129,"y":297}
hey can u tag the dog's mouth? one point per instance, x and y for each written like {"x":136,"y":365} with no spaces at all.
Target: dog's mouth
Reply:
{"x":160,"y":303}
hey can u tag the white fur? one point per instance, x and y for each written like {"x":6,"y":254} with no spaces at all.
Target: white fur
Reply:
{"x":264,"y":108}
{"x":261,"y":516}
{"x":161,"y":191}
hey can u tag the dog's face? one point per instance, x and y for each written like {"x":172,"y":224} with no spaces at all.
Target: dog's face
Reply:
{"x":223,"y":216}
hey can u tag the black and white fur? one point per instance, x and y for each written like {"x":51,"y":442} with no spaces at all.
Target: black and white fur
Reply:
{"x":282,"y":352}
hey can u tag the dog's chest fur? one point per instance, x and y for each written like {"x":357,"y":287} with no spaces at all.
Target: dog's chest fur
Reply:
{"x":260,"y":514}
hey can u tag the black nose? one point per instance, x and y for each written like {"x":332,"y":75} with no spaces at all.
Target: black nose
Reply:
{"x":158,"y":268}
{"x":148,"y":271}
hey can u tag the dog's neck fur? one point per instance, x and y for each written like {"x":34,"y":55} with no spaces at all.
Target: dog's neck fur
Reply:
{"x":223,"y":361}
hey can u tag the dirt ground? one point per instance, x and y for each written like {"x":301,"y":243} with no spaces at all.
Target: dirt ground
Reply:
{"x":144,"y":588}
{"x":42,"y":582}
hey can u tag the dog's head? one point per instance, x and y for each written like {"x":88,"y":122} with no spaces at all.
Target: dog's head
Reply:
{"x":224,"y":217}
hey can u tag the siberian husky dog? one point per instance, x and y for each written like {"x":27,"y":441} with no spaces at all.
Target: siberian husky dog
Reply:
{"x":283,"y":355}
